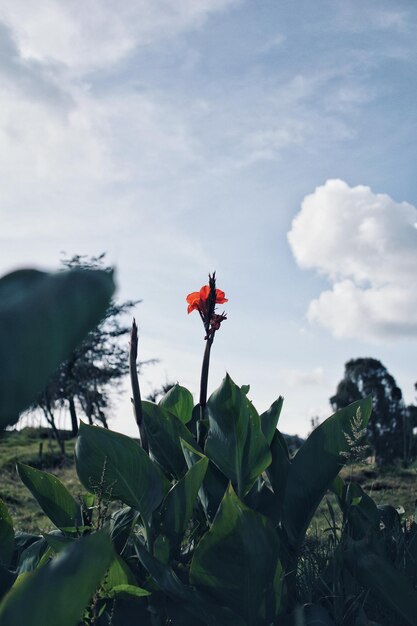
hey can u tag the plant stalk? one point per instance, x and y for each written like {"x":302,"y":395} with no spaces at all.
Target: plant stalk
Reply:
{"x":201,"y":426}
{"x":134,"y":381}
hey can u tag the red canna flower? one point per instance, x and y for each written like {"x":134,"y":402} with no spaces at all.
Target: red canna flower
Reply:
{"x":204,"y":301}
{"x":197,"y":301}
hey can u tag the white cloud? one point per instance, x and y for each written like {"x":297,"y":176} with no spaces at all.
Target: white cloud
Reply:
{"x":97,"y":33}
{"x":302,"y":378}
{"x":366,"y":245}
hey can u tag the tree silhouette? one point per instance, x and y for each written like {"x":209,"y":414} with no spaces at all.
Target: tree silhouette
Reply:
{"x":389,"y":429}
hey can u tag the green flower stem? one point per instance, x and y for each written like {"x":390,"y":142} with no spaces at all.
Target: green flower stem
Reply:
{"x":202,"y":430}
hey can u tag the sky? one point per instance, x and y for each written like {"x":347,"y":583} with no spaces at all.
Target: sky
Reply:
{"x":273,"y":141}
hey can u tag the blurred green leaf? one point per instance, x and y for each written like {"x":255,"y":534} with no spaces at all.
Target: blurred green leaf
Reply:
{"x":235,"y":442}
{"x":58,"y":593}
{"x":6,"y":535}
{"x":179,"y":401}
{"x":164,"y":430}
{"x":43,"y":317}
{"x":237,"y":562}
{"x":316,"y":465}
{"x":118,"y":466}
{"x":53,"y":498}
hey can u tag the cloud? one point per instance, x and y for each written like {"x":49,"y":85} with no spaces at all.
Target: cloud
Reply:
{"x":366,"y":245}
{"x":301,"y":378}
{"x":102,"y":32}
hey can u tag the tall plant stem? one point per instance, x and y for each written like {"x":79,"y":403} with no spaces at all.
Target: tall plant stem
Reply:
{"x":202,"y":430}
{"x":134,"y":381}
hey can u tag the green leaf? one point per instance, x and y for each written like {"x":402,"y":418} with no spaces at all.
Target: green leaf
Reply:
{"x":237,"y":562}
{"x":387,"y":583}
{"x":121,"y":525}
{"x":269,"y":419}
{"x":128,"y":590}
{"x":164,"y":431}
{"x":190,"y":599}
{"x":235,"y":442}
{"x":117,"y":574}
{"x":277,"y":472}
{"x":53,"y":498}
{"x":58,"y":593}
{"x":214,"y":483}
{"x":43,"y":317}
{"x":121,"y":467}
{"x":179,"y":502}
{"x":32,"y":555}
{"x":6,"y":535}
{"x":316,"y":465}
{"x":179,"y":401}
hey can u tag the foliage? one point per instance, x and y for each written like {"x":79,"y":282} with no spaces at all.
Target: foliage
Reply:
{"x":389,"y":430}
{"x":213,"y":520}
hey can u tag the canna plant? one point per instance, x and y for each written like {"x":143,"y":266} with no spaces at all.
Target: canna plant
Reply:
{"x":213,"y":514}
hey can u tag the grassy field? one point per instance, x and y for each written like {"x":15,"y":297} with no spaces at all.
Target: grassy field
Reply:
{"x":394,"y":486}
{"x":36,"y":448}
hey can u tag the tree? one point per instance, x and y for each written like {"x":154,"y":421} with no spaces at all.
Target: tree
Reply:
{"x":96,"y":368}
{"x":389,"y":430}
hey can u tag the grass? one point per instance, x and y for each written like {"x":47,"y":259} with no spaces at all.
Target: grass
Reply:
{"x":33,"y":447}
{"x":391,"y":485}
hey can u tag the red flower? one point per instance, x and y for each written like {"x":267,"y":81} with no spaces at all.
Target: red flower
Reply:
{"x":198,"y":299}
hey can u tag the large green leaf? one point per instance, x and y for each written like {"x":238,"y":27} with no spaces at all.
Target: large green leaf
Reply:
{"x":179,"y":502}
{"x":235,"y":442}
{"x":6,"y":535}
{"x":165,"y":431}
{"x":58,"y":593}
{"x":389,"y":584}
{"x":237,"y":562}
{"x":179,"y":401}
{"x":316,"y":465}
{"x":53,"y":498}
{"x":190,"y":600}
{"x":269,"y":419}
{"x":42,"y":319}
{"x":118,"y":467}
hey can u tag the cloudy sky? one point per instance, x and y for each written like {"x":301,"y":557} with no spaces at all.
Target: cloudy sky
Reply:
{"x":271,"y":141}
